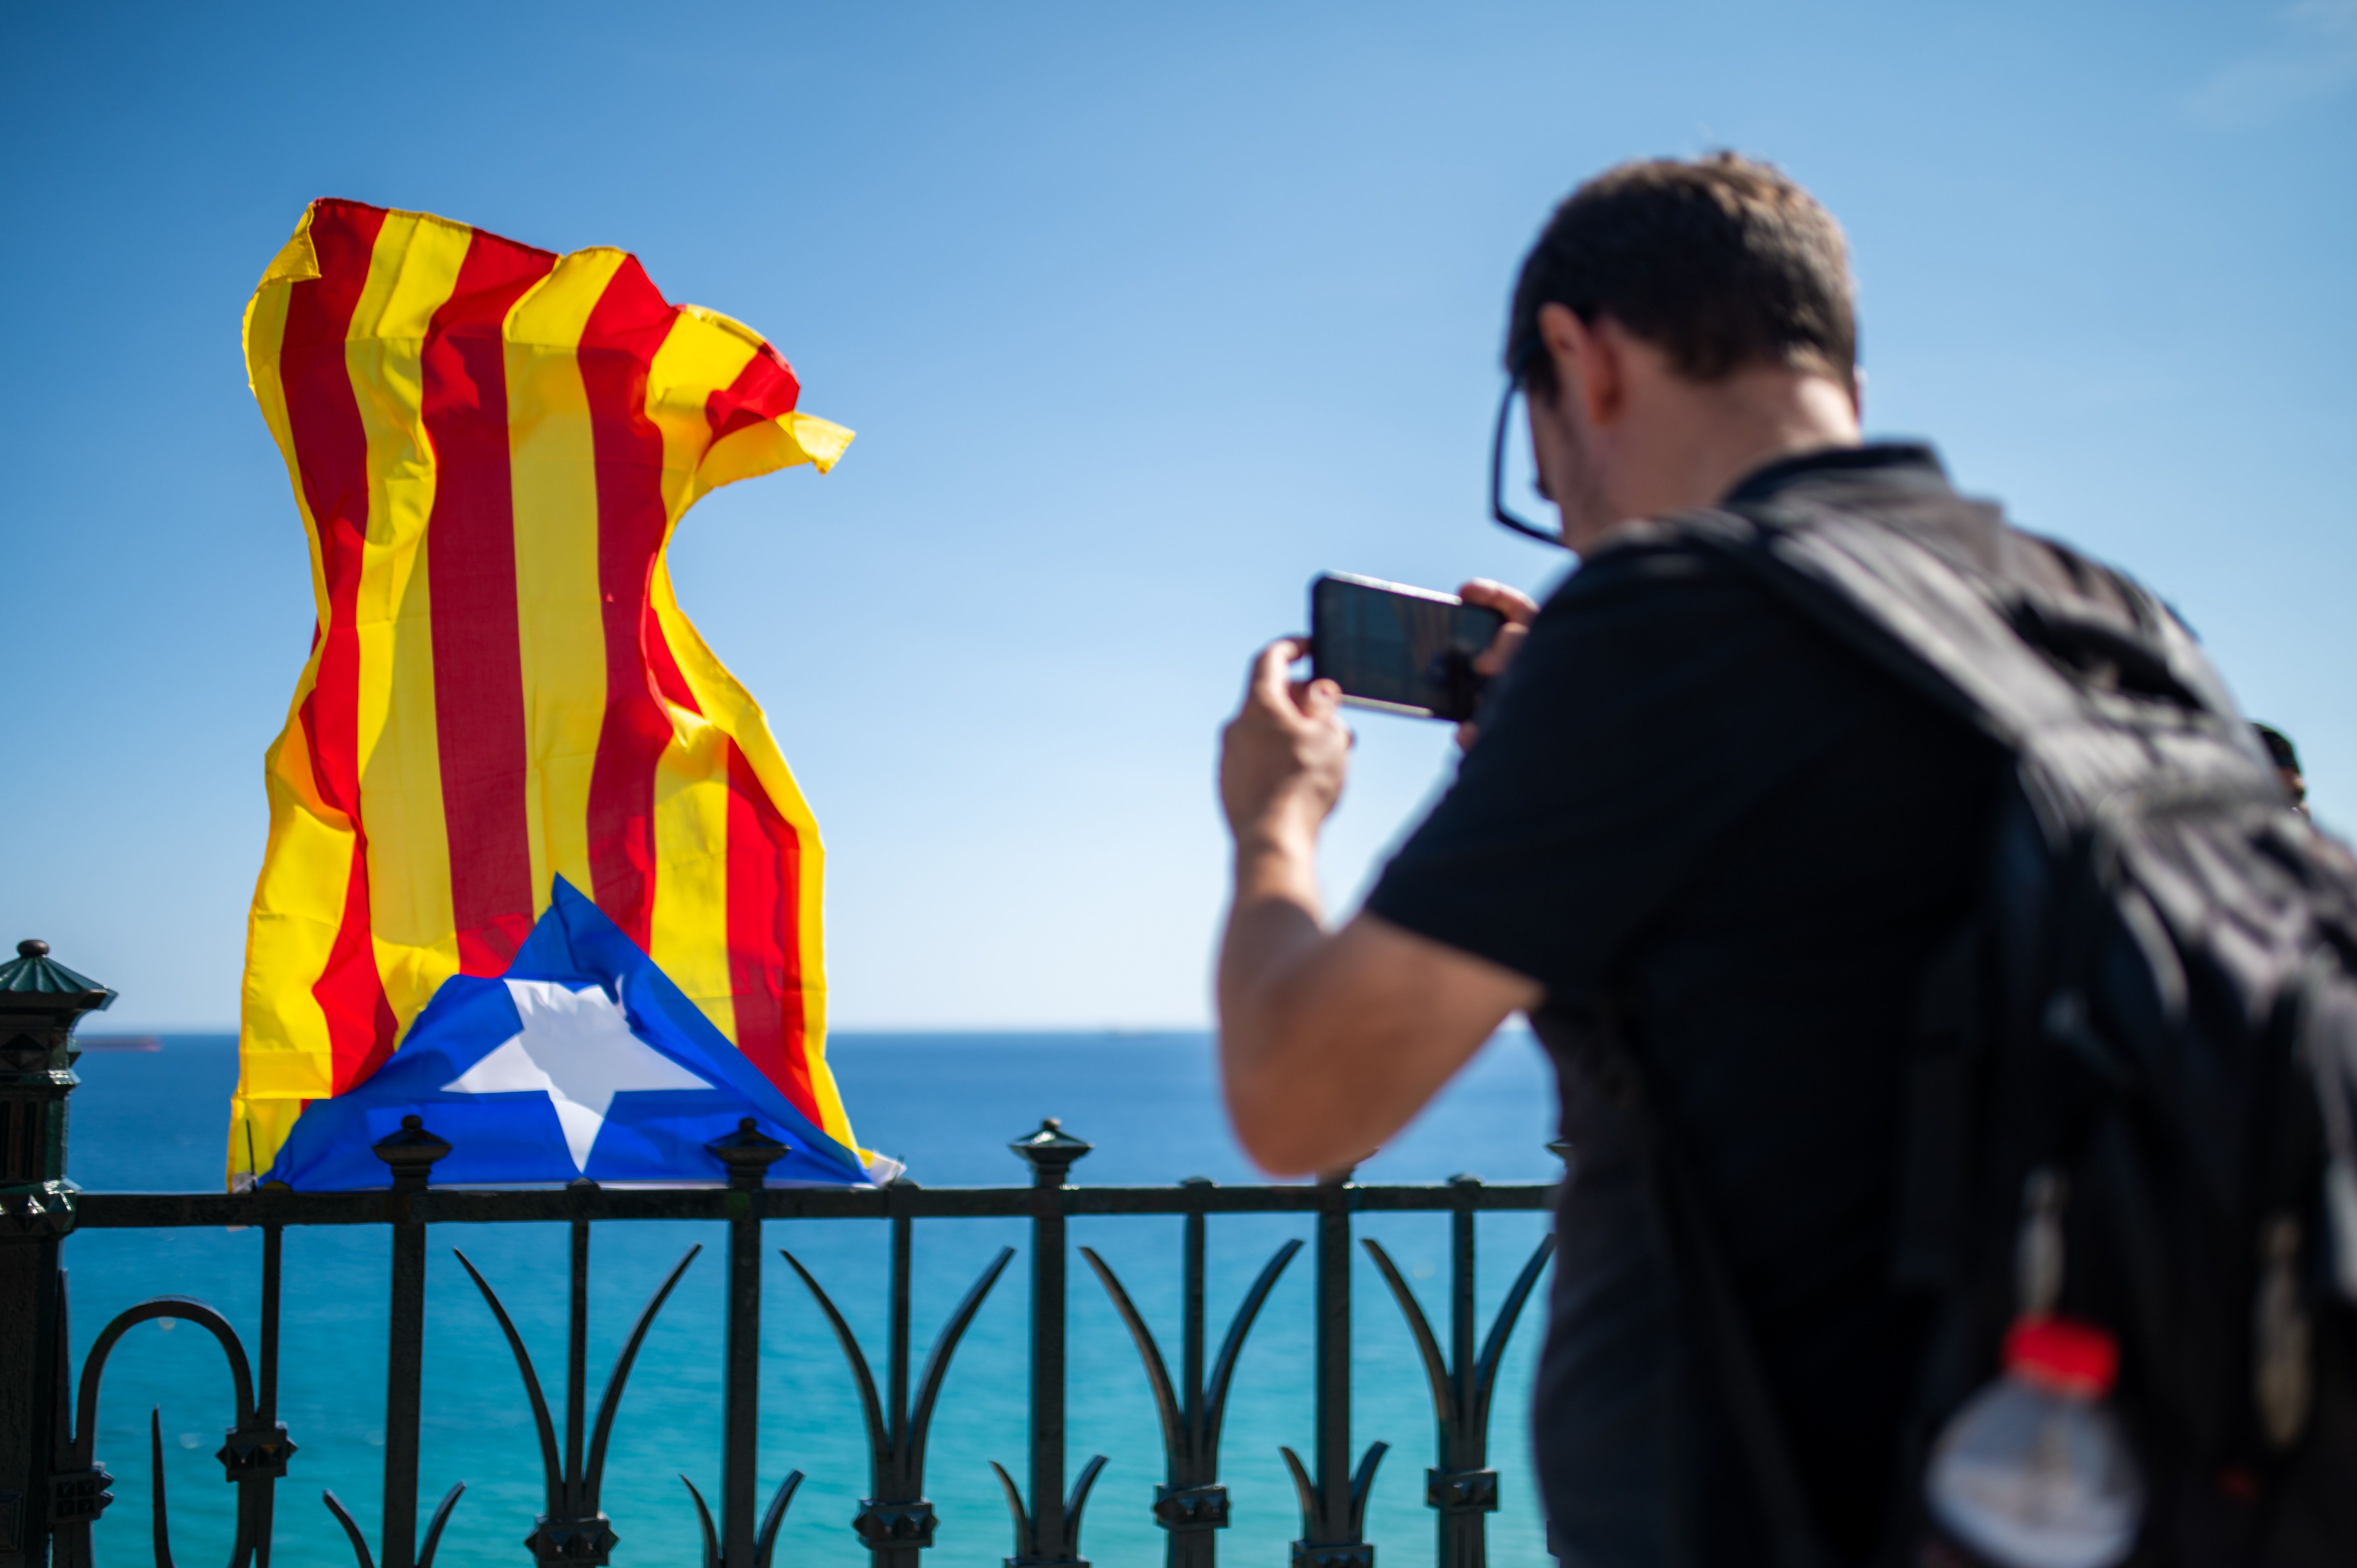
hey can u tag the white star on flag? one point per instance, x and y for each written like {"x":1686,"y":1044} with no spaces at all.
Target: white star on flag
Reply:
{"x":578,"y":1048}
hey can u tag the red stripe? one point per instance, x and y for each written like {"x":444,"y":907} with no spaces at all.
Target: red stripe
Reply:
{"x":763,"y":390}
{"x":332,"y":460}
{"x":763,"y":915}
{"x":765,"y":969}
{"x":670,"y":684}
{"x":479,"y":707}
{"x":349,"y":992}
{"x":617,"y":346}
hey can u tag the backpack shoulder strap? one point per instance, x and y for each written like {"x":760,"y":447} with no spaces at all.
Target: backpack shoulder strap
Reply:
{"x":2018,"y":638}
{"x":1927,"y":644}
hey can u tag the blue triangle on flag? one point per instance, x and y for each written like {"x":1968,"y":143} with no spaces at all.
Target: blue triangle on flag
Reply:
{"x":582,"y":1060}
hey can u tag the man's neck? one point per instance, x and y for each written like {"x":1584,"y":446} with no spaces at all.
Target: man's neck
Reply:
{"x":1722,"y":431}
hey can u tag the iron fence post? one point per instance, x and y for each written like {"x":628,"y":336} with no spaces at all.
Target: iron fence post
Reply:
{"x":749,"y":1153}
{"x":1191,"y":1503}
{"x":896,"y":1524}
{"x":1049,"y":1533}
{"x":1334,"y":1353}
{"x":1461,"y":1489}
{"x":40,"y":1002}
{"x":1334,"y":1506}
{"x":577,"y":1359}
{"x":273,"y":1431}
{"x":410,"y":1152}
{"x":897,"y":1350}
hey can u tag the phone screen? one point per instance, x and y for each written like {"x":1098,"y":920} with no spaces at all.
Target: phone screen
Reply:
{"x":1402,"y":650}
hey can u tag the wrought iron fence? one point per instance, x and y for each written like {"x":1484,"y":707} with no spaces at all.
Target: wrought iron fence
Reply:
{"x":54,"y":1489}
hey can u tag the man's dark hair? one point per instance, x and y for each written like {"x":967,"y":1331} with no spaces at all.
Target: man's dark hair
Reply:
{"x":2279,"y":746}
{"x":1721,"y":263}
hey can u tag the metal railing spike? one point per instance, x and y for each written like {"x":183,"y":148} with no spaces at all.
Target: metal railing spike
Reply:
{"x":1461,"y":1487}
{"x":937,"y":1360}
{"x":575,"y":1529}
{"x":1190,"y":1502}
{"x":432,"y":1527}
{"x":351,"y":1530}
{"x":594,"y":1482}
{"x":766,"y":1541}
{"x":160,"y":1525}
{"x":895,"y":1522}
{"x":704,"y":1522}
{"x":1215,"y":1393}
{"x":552,"y":1468}
{"x":1014,"y":1500}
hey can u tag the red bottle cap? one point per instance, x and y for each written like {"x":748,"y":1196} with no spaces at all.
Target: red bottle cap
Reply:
{"x":2063,"y":1355}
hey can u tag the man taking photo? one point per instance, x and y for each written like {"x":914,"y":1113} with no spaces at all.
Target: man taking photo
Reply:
{"x":1691,"y":829}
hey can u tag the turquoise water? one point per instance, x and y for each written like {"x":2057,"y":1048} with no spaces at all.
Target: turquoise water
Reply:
{"x":945,"y":1103}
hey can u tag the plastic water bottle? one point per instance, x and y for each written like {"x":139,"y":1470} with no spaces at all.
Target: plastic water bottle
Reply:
{"x":2033,"y":1472}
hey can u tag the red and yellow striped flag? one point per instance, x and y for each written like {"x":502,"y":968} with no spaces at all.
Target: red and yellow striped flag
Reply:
{"x":491,"y":445}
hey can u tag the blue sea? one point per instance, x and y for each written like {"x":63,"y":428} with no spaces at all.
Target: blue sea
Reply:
{"x":946,"y":1104}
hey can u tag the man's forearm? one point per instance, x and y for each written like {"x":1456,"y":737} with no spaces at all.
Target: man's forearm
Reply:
{"x":1275,"y":916}
{"x":1330,"y":1041}
{"x":1274,"y":924}
{"x":1274,"y":928}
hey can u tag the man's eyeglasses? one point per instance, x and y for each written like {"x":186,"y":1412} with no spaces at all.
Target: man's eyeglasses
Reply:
{"x":1498,"y":507}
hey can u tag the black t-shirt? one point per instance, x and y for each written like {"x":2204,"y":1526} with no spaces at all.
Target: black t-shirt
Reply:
{"x":1691,"y":806}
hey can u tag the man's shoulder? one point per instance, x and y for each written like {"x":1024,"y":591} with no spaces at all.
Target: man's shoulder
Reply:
{"x":1660,"y":610}
{"x":1649,"y":572}
{"x":1640,"y":554}
{"x":1972,"y":533}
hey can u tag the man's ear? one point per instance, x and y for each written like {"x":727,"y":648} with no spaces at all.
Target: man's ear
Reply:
{"x":1589,"y":366}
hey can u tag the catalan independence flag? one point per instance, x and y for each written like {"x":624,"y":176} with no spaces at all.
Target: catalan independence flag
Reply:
{"x":490,"y":446}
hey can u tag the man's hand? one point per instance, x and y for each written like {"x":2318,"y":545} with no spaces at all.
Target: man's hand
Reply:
{"x":1285,"y":755}
{"x":1520,"y":609}
{"x":1329,"y":1042}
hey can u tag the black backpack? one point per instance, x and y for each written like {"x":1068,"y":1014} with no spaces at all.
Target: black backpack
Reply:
{"x":2129,"y":1086}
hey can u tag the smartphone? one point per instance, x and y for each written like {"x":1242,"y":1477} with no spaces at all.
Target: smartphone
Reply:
{"x":1401,"y":649}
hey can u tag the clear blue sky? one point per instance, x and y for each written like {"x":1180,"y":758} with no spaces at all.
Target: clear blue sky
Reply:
{"x":1145,"y":314}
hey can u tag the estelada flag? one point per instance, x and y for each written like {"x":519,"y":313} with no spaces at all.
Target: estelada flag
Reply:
{"x":490,"y":446}
{"x":582,"y":1060}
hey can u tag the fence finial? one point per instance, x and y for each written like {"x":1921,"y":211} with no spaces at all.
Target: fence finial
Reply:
{"x":1050,"y":1151}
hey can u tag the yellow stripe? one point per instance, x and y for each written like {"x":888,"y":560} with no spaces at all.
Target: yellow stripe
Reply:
{"x":412,"y":270}
{"x":731,"y":708}
{"x":285,"y":1053}
{"x":702,"y":353}
{"x":689,"y":934}
{"x":284,"y":1050}
{"x":690,"y":927}
{"x":687,"y":371}
{"x":552,"y":458}
{"x":764,"y":448}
